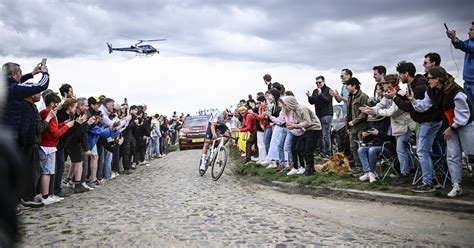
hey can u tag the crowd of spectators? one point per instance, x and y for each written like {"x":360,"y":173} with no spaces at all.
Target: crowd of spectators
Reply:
{"x":100,"y":138}
{"x":409,"y":115}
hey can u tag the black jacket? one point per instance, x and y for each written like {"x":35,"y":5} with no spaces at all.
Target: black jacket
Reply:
{"x":15,"y":104}
{"x":322,"y":102}
{"x":31,"y":126}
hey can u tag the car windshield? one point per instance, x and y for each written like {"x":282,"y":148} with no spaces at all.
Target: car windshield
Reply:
{"x":339,"y":112}
{"x":195,"y":122}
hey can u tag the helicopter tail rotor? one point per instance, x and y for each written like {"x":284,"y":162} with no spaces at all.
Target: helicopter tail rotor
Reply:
{"x":110,"y":47}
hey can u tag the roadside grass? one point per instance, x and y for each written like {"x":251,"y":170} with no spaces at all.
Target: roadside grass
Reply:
{"x":333,"y":180}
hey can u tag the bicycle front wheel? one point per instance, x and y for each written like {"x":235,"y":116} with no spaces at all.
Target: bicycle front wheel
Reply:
{"x":219,"y":164}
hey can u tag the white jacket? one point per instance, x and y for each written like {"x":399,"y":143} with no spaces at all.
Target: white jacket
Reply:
{"x":400,"y":121}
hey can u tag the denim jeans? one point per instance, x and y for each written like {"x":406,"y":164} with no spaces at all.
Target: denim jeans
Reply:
{"x":424,"y":141}
{"x":403,"y":153}
{"x":287,"y":147}
{"x":326,"y":139}
{"x":281,"y":145}
{"x":462,"y":140}
{"x":108,"y":164}
{"x":267,"y":138}
{"x":155,"y":146}
{"x":273,"y":153}
{"x":368,"y":156}
{"x":469,"y":90}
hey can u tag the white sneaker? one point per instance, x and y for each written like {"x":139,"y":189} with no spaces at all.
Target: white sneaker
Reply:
{"x":56,"y":198}
{"x":372,"y":177}
{"x":253,"y":158}
{"x":301,"y":171}
{"x":456,"y":191}
{"x":272,"y":166}
{"x":292,"y":172}
{"x":86,"y":186}
{"x":265,"y":162}
{"x":364,"y":177}
{"x":48,"y":201}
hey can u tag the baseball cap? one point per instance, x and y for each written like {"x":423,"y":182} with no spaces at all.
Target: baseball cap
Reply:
{"x":93,"y":100}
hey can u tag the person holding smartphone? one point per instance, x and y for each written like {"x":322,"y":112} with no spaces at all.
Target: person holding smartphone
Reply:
{"x":466,"y":46}
{"x":429,"y":122}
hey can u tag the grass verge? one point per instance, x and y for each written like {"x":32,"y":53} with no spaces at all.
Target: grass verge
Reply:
{"x":333,"y":180}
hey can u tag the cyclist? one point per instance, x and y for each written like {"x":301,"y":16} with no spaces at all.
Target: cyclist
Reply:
{"x":217,"y":124}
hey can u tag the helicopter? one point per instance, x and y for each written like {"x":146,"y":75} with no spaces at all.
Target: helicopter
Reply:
{"x":146,"y":50}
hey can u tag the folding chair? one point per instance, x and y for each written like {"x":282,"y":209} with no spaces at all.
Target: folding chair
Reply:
{"x":440,"y":168}
{"x":387,"y":164}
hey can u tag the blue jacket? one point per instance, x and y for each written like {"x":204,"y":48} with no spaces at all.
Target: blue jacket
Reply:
{"x":467,"y":46}
{"x":15,"y":104}
{"x":96,"y":131}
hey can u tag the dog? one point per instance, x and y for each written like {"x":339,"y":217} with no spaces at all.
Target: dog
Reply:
{"x":337,"y":163}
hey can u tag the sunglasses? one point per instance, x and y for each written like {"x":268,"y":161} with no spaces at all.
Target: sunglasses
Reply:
{"x":318,"y":82}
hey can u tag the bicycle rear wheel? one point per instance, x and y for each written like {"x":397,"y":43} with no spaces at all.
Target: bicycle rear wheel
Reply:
{"x":219,"y":164}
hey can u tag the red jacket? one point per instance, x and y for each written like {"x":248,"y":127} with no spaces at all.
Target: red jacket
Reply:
{"x":50,"y":136}
{"x":248,"y":124}
{"x":264,"y":122}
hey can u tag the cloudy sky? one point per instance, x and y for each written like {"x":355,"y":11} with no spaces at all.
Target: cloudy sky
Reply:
{"x":218,"y":51}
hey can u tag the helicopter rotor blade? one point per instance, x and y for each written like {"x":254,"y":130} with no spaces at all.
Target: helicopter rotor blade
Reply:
{"x":153,"y":40}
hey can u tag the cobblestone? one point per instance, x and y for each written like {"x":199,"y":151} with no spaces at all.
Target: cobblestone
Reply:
{"x":169,"y":204}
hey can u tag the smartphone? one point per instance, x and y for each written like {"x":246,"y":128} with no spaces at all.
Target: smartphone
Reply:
{"x":125,"y":100}
{"x":409,"y":90}
{"x":43,"y":62}
{"x":446,"y":26}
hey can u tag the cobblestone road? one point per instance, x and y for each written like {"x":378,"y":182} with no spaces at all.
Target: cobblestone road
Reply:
{"x":169,"y":204}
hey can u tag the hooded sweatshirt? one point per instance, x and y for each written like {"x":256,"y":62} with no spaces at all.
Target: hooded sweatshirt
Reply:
{"x":303,"y":116}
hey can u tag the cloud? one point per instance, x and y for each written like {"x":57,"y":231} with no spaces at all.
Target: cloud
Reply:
{"x":301,"y":38}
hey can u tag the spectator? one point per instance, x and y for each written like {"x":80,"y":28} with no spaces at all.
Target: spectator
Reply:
{"x":439,"y":145}
{"x":248,"y":125}
{"x":373,"y":139}
{"x":429,"y":121}
{"x":29,"y":139}
{"x":322,"y":101}
{"x":66,"y":92}
{"x":17,"y":92}
{"x":402,"y":125}
{"x":449,"y":97}
{"x":72,"y":140}
{"x":466,"y":46}
{"x":305,"y":119}
{"x":272,"y":136}
{"x":267,"y":79}
{"x":262,"y":125}
{"x":127,"y":149}
{"x":93,"y":134}
{"x":346,"y":74}
{"x":356,"y":120}
{"x":379,"y":75}
{"x":49,"y":141}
